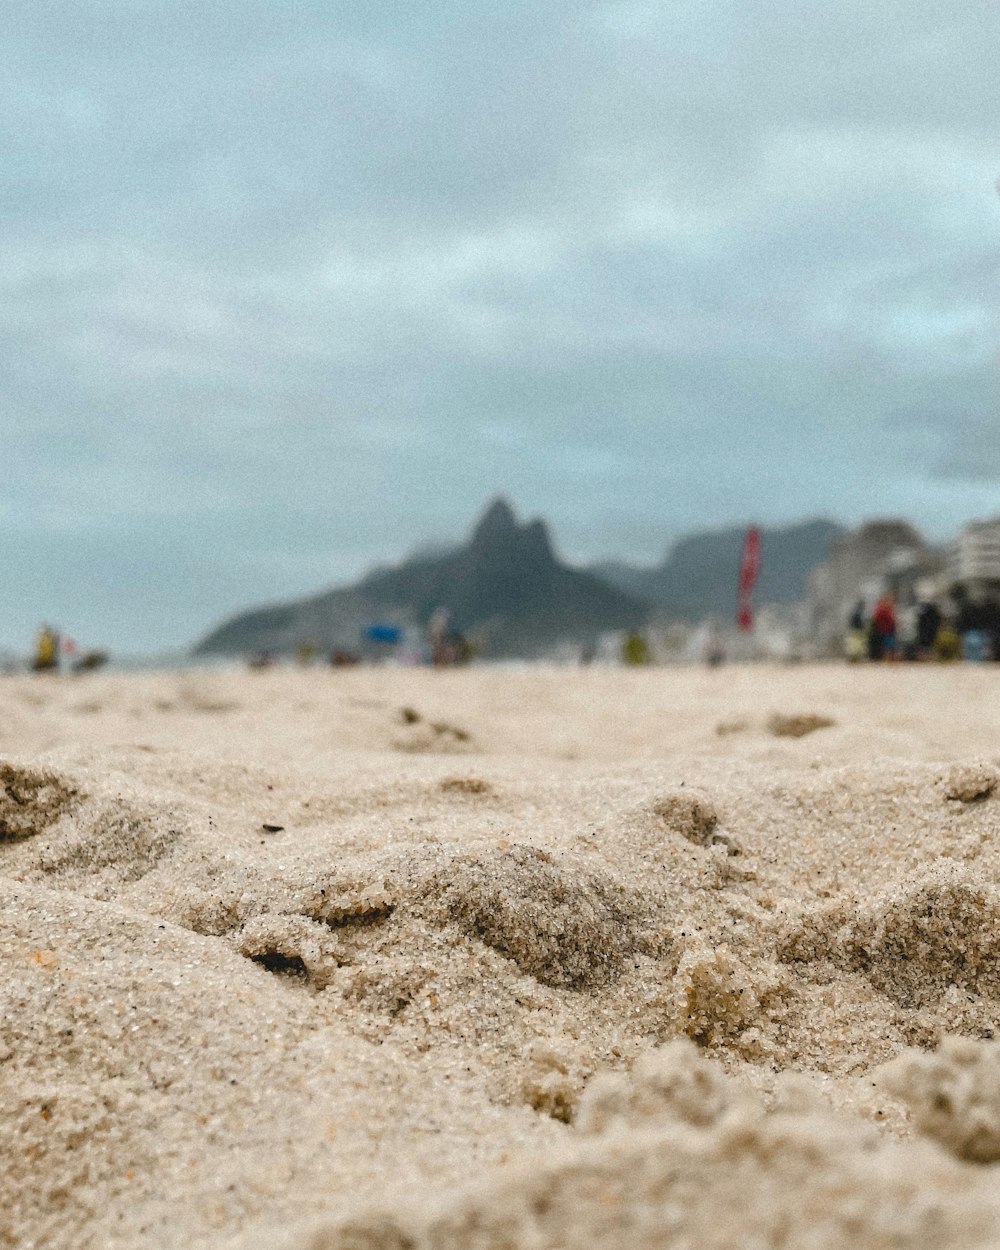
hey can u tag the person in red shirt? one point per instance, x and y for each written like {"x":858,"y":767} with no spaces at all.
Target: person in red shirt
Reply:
{"x":883,"y":629}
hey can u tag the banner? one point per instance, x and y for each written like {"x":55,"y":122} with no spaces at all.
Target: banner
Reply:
{"x":749,"y":568}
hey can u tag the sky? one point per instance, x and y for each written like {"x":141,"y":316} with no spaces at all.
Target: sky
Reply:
{"x":291,"y":289}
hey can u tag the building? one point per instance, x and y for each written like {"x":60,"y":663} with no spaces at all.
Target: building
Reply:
{"x":973,"y":559}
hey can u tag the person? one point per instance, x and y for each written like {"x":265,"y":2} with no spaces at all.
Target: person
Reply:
{"x":340,"y":657}
{"x":970,"y":625}
{"x":305,"y":653}
{"x":882,"y":629}
{"x":90,"y":661}
{"x":46,"y":651}
{"x":462,"y":649}
{"x":928,"y":624}
{"x":947,"y":643}
{"x":991,"y":623}
{"x":635,"y":650}
{"x":437,"y":637}
{"x":854,"y":640}
{"x":906,"y":631}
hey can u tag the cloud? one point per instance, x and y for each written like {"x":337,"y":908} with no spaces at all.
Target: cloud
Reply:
{"x":290,"y":289}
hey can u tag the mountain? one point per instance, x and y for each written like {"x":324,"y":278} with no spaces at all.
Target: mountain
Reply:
{"x":505,"y":587}
{"x":698,"y":575}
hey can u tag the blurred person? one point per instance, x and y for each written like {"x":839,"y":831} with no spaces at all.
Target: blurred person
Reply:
{"x":907,"y":631}
{"x":991,"y":623}
{"x":462,"y":648}
{"x":947,"y":643}
{"x":715,"y":653}
{"x":970,"y":623}
{"x":882,"y":629}
{"x":855,"y":641}
{"x":437,"y":637}
{"x":46,"y":651}
{"x":90,"y":661}
{"x":928,"y":623}
{"x":635,"y":650}
{"x":340,"y":657}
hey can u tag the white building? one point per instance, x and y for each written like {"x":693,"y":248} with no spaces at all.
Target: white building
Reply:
{"x":973,"y":559}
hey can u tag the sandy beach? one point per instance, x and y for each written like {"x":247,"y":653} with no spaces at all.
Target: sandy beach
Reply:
{"x":318,"y":960}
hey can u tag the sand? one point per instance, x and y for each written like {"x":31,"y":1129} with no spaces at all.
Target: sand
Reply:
{"x":319,"y":960}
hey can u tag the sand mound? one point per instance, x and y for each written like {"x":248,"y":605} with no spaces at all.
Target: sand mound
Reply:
{"x":31,"y":800}
{"x":679,"y":1155}
{"x":81,"y":834}
{"x":691,"y":815}
{"x":669,"y":1084}
{"x":720,"y":1001}
{"x":970,"y":782}
{"x":310,"y":943}
{"x":559,"y":926}
{"x":565,"y":927}
{"x":953,"y":1095}
{"x":466,"y":785}
{"x":798,"y":724}
{"x":917,"y":942}
{"x":290,"y":946}
{"x":108,"y":843}
{"x":695,"y":817}
{"x":113,"y":841}
{"x":419,"y":734}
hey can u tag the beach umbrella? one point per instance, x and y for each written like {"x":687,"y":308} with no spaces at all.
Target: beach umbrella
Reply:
{"x":379,"y":632}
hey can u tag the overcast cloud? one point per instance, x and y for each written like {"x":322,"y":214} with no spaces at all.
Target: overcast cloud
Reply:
{"x":289,"y":289}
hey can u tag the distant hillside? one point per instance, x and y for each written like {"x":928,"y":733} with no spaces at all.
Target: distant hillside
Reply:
{"x":697,"y":577}
{"x":505,"y":586}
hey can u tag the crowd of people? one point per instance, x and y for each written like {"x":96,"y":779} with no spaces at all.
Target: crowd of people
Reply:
{"x":962,"y":629}
{"x":443,"y":646}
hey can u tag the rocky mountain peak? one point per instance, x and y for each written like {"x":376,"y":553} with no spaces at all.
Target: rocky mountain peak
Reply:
{"x":497,"y":524}
{"x":500,"y":542}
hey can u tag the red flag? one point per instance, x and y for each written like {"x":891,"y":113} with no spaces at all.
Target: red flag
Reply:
{"x":749,"y":568}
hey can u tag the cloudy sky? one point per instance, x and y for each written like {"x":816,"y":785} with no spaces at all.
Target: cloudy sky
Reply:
{"x":291,"y":288}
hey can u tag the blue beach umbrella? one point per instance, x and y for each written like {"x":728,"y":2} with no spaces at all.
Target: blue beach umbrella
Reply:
{"x":382,"y":633}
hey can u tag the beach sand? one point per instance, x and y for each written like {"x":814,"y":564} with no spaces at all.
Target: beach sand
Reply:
{"x":319,"y":960}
